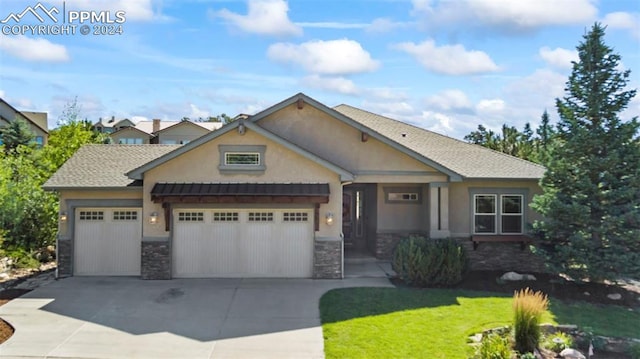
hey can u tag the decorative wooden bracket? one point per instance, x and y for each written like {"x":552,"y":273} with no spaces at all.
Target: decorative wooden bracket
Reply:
{"x":167,"y":216}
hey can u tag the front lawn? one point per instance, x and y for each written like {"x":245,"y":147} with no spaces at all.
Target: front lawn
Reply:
{"x":435,"y":323}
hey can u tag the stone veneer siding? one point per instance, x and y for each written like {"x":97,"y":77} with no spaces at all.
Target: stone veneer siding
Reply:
{"x":327,"y":259}
{"x":501,"y":256}
{"x":64,"y":258}
{"x":386,"y":243}
{"x":156,"y":260}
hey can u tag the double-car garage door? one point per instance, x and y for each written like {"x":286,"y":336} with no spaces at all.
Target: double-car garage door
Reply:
{"x":206,"y":242}
{"x":243,"y":243}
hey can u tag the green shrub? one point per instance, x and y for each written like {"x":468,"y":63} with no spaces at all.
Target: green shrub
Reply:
{"x":634,"y":351}
{"x":528,"y":356}
{"x":421,"y":261}
{"x":495,"y":346}
{"x":22,"y":258}
{"x":528,"y":307}
{"x":557,"y":342}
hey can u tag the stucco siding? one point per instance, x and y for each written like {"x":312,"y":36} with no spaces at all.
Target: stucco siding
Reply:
{"x":282,"y":166}
{"x":402,"y":217}
{"x":460,"y":202}
{"x":129,"y":133}
{"x":340,"y":143}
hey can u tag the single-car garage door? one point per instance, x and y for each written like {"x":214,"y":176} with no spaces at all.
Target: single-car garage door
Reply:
{"x":107,"y":241}
{"x":243,"y":243}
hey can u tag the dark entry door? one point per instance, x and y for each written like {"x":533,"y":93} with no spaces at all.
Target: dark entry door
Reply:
{"x":353,"y":226}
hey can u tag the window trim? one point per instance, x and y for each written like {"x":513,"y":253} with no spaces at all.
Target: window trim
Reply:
{"x":503,"y":214}
{"x":499,"y":192}
{"x":242,"y":168}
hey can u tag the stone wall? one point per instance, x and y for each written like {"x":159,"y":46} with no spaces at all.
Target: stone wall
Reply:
{"x":327,"y":259}
{"x":501,"y":256}
{"x":156,"y":260}
{"x":386,"y":243}
{"x":65,"y":258}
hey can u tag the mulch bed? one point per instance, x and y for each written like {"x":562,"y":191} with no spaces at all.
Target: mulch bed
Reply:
{"x":6,"y":330}
{"x":554,"y":286}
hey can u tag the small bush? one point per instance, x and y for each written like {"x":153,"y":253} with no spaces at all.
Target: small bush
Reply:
{"x":557,"y":342}
{"x":22,"y":258}
{"x":421,"y":261}
{"x":528,"y":356}
{"x":495,"y":347}
{"x":634,"y":351}
{"x":528,"y":307}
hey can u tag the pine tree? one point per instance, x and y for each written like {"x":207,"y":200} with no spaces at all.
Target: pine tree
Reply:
{"x":17,"y":133}
{"x":591,"y":190}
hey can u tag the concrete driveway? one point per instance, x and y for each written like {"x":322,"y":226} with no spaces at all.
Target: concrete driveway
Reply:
{"x":98,"y":317}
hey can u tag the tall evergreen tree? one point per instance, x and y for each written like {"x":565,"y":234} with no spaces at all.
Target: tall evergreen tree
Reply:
{"x":546,"y":135}
{"x":17,"y":133}
{"x":591,"y":199}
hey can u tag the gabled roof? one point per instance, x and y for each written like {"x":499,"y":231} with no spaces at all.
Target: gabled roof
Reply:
{"x":130,"y":129}
{"x":467,"y":160}
{"x":138,"y":173}
{"x":208,"y":126}
{"x":104,"y":166}
{"x":27,"y":118}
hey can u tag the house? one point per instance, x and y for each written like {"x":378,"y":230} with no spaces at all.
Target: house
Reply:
{"x":287,"y":192}
{"x":37,"y":121}
{"x":155,"y":131}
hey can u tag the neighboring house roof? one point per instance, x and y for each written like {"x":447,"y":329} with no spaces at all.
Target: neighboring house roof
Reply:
{"x":147,"y":126}
{"x":104,"y":166}
{"x":209,"y":126}
{"x":138,"y":173}
{"x":34,"y":121}
{"x":135,"y":129}
{"x":468,"y":160}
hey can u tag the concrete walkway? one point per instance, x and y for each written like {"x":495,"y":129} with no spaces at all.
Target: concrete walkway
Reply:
{"x":98,"y":317}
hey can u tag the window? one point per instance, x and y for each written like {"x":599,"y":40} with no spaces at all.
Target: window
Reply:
{"x":225,"y":216}
{"x":168,"y":142}
{"x":260,"y":216}
{"x":485,"y":213}
{"x":91,"y":215}
{"x":125,"y":215}
{"x":498,"y":214}
{"x":39,"y":141}
{"x":242,"y":158}
{"x":511,"y":217}
{"x":236,"y":158}
{"x":130,"y":141}
{"x":406,"y":195}
{"x":295,"y":216}
{"x":190,"y":216}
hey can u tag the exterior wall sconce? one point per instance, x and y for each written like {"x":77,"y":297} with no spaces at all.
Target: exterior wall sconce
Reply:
{"x":329,"y":218}
{"x":153,"y":219}
{"x":63,"y":217}
{"x":241,"y":129}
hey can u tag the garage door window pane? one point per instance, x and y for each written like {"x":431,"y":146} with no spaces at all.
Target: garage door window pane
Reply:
{"x":295,"y":216}
{"x":190,"y":216}
{"x":125,"y":215}
{"x":225,"y":216}
{"x":260,"y":216}
{"x":91,"y":215}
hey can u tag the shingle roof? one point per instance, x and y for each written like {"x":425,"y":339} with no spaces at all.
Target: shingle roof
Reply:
{"x":468,"y":160}
{"x":100,"y":166}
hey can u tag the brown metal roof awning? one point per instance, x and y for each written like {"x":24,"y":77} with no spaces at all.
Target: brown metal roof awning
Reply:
{"x":240,"y":193}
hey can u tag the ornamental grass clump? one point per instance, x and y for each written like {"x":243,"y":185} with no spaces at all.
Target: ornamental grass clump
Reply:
{"x":529,"y":307}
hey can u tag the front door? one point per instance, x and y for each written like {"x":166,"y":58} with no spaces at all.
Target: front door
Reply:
{"x":353,"y":226}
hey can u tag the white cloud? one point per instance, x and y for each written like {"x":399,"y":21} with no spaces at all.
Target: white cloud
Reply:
{"x":448,"y":59}
{"x":333,"y":57}
{"x":449,"y":100}
{"x":559,"y":58}
{"x":197,"y":113}
{"x":2,"y":93}
{"x":337,"y":84}
{"x":520,"y":15}
{"x":624,"y":21}
{"x":332,"y":25}
{"x":36,"y":50}
{"x":266,"y":17}
{"x":381,"y":25}
{"x":391,"y":109}
{"x":490,"y":106}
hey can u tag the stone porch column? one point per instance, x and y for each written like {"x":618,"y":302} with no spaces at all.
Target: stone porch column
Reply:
{"x":439,"y":210}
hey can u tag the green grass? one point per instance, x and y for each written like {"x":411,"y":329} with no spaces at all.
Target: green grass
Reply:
{"x":435,"y":323}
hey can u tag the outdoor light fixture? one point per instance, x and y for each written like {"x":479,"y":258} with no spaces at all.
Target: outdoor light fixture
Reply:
{"x":329,"y":218}
{"x":241,"y":128}
{"x":153,"y":219}
{"x":63,"y":217}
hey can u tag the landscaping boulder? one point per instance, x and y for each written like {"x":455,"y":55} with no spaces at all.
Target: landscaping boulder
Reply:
{"x":571,"y":354}
{"x":614,"y":296}
{"x":513,"y":276}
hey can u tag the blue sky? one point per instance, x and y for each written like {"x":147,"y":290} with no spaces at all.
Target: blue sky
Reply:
{"x":443,"y":65}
